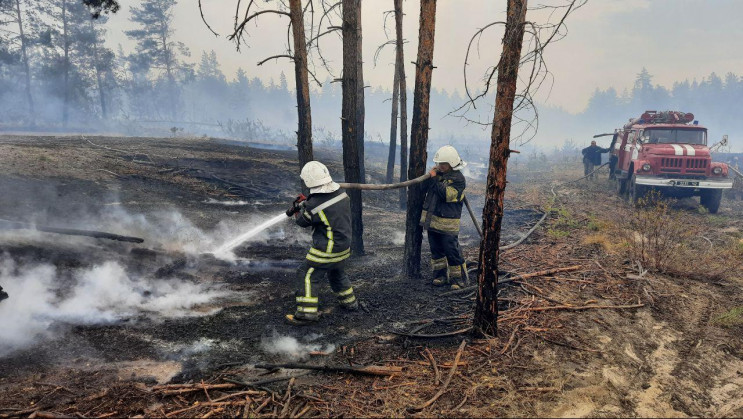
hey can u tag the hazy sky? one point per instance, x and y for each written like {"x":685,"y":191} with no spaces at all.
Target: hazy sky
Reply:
{"x":609,"y":41}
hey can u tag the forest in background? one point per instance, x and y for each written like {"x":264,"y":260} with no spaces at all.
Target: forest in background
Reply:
{"x":61,"y":71}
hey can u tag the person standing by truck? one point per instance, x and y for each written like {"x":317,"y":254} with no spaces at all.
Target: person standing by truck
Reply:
{"x":592,"y":158}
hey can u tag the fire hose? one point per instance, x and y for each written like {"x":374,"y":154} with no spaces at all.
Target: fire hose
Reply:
{"x":382,"y":187}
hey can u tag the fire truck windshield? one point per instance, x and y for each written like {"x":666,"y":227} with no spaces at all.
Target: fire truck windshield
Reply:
{"x":675,"y":136}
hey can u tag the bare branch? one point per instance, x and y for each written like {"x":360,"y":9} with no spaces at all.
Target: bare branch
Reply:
{"x":291,"y":57}
{"x":201,"y":10}
{"x":241,"y":27}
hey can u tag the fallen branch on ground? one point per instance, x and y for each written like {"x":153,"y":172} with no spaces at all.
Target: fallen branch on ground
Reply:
{"x":262,"y":382}
{"x":433,"y":336}
{"x":367,"y":370}
{"x":446,"y":382}
{"x":14,"y":225}
{"x":589,"y":307}
{"x":516,"y":278}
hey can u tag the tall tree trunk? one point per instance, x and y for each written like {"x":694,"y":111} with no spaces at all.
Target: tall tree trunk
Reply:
{"x":98,"y":76}
{"x":360,"y":111}
{"x":419,"y":137}
{"x":486,"y":309}
{"x":26,"y":65}
{"x":350,"y":114}
{"x":301,"y":77}
{"x":400,"y":65}
{"x":66,"y":45}
{"x":393,"y":123}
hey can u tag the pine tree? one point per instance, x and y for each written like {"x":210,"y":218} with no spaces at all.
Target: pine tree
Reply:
{"x":157,"y":52}
{"x":18,"y":18}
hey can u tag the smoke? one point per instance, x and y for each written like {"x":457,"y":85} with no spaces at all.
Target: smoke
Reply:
{"x":398,"y":238}
{"x":167,"y":230}
{"x":41,"y":296}
{"x":290,"y":348}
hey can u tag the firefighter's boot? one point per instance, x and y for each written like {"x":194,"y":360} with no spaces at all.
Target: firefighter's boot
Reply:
{"x":307,"y":311}
{"x":347,"y":300}
{"x":458,"y":276}
{"x":440,"y":276}
{"x":299,"y":320}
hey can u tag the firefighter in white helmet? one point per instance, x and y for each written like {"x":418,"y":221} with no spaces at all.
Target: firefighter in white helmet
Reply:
{"x":442,"y":211}
{"x":328,"y":211}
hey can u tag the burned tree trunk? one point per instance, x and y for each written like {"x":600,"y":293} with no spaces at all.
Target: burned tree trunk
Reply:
{"x":360,"y":110}
{"x":26,"y":65}
{"x":304,"y":114}
{"x":486,"y":310}
{"x":393,"y":124}
{"x":400,"y":66}
{"x":350,"y":115}
{"x":419,"y":137}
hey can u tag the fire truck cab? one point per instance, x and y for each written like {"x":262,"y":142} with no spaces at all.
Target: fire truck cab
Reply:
{"x":668,"y":152}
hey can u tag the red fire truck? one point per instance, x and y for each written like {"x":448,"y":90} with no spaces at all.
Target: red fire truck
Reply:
{"x":668,"y":152}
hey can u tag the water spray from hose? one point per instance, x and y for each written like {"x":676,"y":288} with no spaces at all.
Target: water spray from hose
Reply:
{"x":226,"y":249}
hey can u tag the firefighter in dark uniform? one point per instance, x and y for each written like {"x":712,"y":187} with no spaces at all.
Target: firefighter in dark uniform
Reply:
{"x":442,"y":211}
{"x":328,"y":211}
{"x":592,"y":158}
{"x":3,"y":294}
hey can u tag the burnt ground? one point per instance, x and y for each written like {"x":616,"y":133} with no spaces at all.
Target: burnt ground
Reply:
{"x":671,"y":347}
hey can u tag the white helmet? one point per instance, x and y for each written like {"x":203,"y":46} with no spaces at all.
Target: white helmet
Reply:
{"x":448,"y":154}
{"x":315,"y":174}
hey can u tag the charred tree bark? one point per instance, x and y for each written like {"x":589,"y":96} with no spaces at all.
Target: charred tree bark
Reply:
{"x":350,"y":114}
{"x":304,"y":113}
{"x":26,"y":65}
{"x":400,"y":65}
{"x":360,"y":110}
{"x":393,"y":124}
{"x":419,"y":137}
{"x":486,"y":309}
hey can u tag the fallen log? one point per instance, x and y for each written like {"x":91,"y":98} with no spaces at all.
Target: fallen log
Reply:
{"x":15,"y":225}
{"x":368,"y":370}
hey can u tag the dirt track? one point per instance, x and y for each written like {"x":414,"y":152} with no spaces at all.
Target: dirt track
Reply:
{"x":668,"y":358}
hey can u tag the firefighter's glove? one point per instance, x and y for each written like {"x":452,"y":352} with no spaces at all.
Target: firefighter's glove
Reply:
{"x":297,"y":205}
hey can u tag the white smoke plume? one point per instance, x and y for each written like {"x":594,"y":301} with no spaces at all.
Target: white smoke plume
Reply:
{"x":102,"y":294}
{"x":398,"y":238}
{"x":292,"y":349}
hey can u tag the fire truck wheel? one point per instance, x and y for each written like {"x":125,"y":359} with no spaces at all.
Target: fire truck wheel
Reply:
{"x":636,"y":192}
{"x":710,"y":199}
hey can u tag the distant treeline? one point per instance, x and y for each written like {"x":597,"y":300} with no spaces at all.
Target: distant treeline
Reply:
{"x":56,"y":72}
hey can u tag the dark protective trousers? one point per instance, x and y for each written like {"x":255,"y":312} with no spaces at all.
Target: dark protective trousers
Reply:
{"x":308,"y":279}
{"x":447,"y":261}
{"x":588,"y":168}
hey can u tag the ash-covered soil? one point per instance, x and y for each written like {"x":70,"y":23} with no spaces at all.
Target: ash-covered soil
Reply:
{"x":669,"y":357}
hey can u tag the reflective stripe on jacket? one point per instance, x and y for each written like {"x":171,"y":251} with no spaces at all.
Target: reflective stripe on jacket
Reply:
{"x":442,"y":207}
{"x":329,"y":215}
